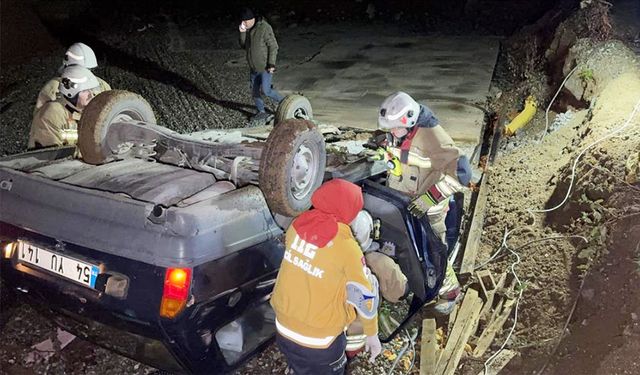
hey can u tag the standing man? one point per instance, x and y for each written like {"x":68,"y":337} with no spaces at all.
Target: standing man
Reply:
{"x":323,"y":284}
{"x":78,"y":54}
{"x":56,"y":123}
{"x":257,"y":38}
{"x":427,"y":166}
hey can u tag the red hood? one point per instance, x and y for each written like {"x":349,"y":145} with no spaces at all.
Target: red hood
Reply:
{"x":335,"y":201}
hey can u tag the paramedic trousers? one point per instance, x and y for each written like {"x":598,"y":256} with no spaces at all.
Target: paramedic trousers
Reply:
{"x":308,"y":361}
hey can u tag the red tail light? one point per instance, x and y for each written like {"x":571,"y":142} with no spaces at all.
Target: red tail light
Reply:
{"x":177,"y":282}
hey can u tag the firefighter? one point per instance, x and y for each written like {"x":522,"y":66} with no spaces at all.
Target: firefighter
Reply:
{"x":56,"y":123}
{"x":426,"y":165}
{"x":78,"y":54}
{"x":323,"y":284}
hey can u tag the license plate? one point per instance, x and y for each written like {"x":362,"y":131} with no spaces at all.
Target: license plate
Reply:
{"x":67,"y":267}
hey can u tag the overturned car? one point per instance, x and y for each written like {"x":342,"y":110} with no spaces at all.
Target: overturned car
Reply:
{"x":165,"y":247}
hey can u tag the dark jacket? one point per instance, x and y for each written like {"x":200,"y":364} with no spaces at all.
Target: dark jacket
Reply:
{"x":261,"y":45}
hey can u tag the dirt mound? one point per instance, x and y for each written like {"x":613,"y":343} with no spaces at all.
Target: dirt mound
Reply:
{"x":534,"y":176}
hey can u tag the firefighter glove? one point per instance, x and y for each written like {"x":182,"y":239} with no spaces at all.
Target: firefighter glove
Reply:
{"x":420,"y":205}
{"x":380,"y":154}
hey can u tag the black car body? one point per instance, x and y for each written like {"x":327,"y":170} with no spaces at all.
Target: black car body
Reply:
{"x":165,"y":264}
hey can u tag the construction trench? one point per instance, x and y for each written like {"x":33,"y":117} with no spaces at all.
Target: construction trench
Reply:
{"x":545,"y":101}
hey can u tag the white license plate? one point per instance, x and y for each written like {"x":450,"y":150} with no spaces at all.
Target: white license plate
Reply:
{"x":67,"y":267}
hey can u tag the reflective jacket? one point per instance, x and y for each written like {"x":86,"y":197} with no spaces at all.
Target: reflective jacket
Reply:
{"x":55,"y":124}
{"x":310,"y":295}
{"x":323,"y":265}
{"x":429,"y":140}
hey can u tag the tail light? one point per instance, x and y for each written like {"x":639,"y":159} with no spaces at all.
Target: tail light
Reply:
{"x":177,"y":282}
{"x":8,"y":250}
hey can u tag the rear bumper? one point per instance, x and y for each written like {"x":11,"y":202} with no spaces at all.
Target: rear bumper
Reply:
{"x":152,"y":351}
{"x":80,"y":311}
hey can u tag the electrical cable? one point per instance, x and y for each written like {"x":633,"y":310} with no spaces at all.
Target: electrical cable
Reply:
{"x":515,"y":316}
{"x":411,"y":339}
{"x":546,"y":113}
{"x":494,"y":257}
{"x":575,"y":163}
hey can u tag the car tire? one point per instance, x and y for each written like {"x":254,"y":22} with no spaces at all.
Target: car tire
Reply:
{"x":293,"y":106}
{"x":292,"y":166}
{"x":103,"y":110}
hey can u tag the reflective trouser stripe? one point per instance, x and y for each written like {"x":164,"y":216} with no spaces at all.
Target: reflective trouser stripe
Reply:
{"x":302,"y":339}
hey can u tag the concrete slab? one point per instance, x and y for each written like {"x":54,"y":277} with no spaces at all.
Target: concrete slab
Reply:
{"x":349,"y":77}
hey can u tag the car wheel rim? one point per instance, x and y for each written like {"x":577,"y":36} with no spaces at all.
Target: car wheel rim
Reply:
{"x":300,"y":113}
{"x":125,"y":116}
{"x":303,"y":172}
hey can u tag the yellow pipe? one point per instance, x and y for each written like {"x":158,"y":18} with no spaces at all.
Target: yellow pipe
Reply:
{"x":523,"y":118}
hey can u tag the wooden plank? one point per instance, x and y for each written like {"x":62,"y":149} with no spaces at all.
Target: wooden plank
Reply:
{"x":487,"y":336}
{"x":452,"y":317}
{"x":468,"y":330}
{"x":465,"y":315}
{"x":429,"y":348}
{"x":488,"y":306}
{"x":475,"y":230}
{"x":487,"y":283}
{"x":499,"y":362}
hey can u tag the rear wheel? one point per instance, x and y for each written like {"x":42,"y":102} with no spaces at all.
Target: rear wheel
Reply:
{"x":292,"y":166}
{"x":293,"y":106}
{"x":105,"y":109}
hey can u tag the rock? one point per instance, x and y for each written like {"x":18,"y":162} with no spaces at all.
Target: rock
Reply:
{"x":584,"y":323}
{"x":596,"y":66}
{"x":588,"y":294}
{"x":632,"y":168}
{"x":634,"y":316}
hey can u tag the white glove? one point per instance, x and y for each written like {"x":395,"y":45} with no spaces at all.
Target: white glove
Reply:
{"x":372,"y":344}
{"x":242,"y":27}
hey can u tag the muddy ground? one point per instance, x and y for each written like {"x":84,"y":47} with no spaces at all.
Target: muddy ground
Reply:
{"x":200,"y":82}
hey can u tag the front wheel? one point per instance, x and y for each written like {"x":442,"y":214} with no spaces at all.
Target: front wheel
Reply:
{"x":293,"y":106}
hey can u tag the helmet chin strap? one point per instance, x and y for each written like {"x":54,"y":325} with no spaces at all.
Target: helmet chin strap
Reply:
{"x":72,"y":103}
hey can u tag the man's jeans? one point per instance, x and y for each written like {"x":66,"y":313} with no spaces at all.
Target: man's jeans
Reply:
{"x":261,"y":84}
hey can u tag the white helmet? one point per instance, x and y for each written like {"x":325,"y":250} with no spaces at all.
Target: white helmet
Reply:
{"x":398,"y":110}
{"x":80,"y":54}
{"x":362,"y":227}
{"x":75,"y":79}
